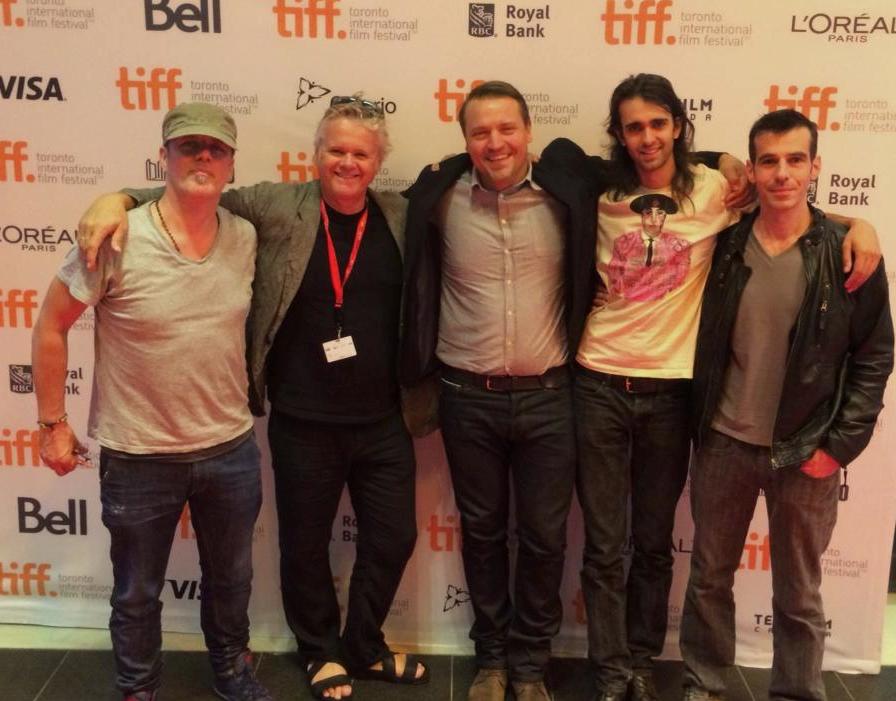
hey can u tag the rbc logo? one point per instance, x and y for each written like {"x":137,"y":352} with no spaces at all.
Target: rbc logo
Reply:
{"x":188,"y":17}
{"x":70,"y":522}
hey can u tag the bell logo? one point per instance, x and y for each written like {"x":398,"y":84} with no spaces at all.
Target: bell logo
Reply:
{"x":815,"y":103}
{"x":28,"y":580}
{"x":21,"y":451}
{"x":307,"y":18}
{"x":70,"y":522}
{"x":13,"y":152}
{"x":756,"y":556}
{"x":301,"y":172}
{"x":19,"y":306}
{"x":160,"y":80}
{"x":635,"y":25}
{"x":442,"y":537}
{"x":450,"y":101}
{"x":7,"y":19}
{"x":188,"y":17}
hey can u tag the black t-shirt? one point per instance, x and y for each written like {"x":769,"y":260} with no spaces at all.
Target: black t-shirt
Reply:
{"x":360,"y":389}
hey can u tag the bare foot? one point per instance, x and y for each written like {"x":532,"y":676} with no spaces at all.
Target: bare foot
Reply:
{"x":328,"y":670}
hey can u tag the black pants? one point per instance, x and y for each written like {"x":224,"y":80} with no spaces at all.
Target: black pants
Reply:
{"x":494,"y":440}
{"x":312,"y":462}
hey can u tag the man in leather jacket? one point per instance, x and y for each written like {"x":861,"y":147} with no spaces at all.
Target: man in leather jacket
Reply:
{"x":789,"y":379}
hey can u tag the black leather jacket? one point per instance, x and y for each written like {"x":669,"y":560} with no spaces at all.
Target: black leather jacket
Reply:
{"x":841,"y":348}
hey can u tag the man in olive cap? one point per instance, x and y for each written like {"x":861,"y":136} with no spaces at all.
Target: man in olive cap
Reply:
{"x":173,"y":424}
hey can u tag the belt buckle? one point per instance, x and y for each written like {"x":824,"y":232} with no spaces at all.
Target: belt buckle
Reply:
{"x":488,"y":383}
{"x":628,"y":385}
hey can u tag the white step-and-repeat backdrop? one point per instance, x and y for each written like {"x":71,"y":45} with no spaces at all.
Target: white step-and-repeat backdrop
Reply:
{"x":84,"y":85}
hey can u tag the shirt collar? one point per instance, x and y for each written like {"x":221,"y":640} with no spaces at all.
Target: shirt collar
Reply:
{"x":474,"y":179}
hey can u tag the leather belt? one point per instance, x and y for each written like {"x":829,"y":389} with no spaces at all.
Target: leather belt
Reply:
{"x":635,"y":385}
{"x":553,"y":378}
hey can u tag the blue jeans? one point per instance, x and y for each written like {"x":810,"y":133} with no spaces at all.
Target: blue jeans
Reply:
{"x":142,"y":503}
{"x":495,"y":440}
{"x":313,"y":462}
{"x":802,"y":511}
{"x":632,"y":447}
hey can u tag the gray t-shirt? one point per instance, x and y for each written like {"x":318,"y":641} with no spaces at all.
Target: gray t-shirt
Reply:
{"x":760,"y":342}
{"x":170,"y":372}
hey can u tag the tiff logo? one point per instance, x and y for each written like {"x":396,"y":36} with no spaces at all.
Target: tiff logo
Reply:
{"x":30,"y":581}
{"x":449,"y":101}
{"x":815,"y":103}
{"x":7,"y":19}
{"x":188,"y":17}
{"x":651,"y":14}
{"x":160,"y":80}
{"x":756,"y":556}
{"x":19,"y":305}
{"x":23,"y":450}
{"x":13,"y":153}
{"x":301,"y":172}
{"x":443,"y":538}
{"x":307,"y":18}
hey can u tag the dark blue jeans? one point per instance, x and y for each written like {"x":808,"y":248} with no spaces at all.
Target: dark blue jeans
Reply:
{"x":495,"y":440}
{"x":312,"y":463}
{"x":725,"y":483}
{"x":632,"y":448}
{"x":142,"y":504}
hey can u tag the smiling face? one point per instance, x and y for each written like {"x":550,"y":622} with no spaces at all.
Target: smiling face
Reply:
{"x":783,"y":168}
{"x":648,"y":132}
{"x":197,"y":165}
{"x":347,"y":159}
{"x":497,"y":140}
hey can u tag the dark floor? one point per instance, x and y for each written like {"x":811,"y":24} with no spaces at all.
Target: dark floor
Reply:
{"x":57,"y":675}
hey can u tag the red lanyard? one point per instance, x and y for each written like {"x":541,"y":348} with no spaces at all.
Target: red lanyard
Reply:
{"x":337,"y":280}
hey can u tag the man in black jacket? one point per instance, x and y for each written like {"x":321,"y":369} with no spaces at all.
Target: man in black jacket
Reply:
{"x":788,"y":382}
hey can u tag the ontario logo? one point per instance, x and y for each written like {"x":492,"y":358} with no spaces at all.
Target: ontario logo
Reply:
{"x":309,"y":91}
{"x":455,"y":596}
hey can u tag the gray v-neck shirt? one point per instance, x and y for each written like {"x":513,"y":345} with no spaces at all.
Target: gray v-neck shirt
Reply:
{"x":760,"y":342}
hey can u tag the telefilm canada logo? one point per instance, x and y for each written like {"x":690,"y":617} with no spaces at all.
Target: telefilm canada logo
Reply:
{"x":21,"y":379}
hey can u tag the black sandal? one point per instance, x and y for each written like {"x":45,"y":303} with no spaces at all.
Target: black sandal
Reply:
{"x":321,"y":685}
{"x":388,"y":674}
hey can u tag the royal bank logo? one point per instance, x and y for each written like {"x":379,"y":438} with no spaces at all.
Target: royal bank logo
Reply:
{"x":309,"y":91}
{"x":482,"y":19}
{"x":455,"y":596}
{"x":21,"y":380}
{"x":203,"y":16}
{"x":30,"y":87}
